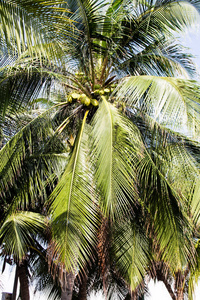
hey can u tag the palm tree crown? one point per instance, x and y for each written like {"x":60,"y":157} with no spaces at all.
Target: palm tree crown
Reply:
{"x":117,"y":139}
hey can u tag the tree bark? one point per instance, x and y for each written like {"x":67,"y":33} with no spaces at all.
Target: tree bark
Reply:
{"x":162,"y":278}
{"x":23,"y":279}
{"x":134,"y":295}
{"x":83,"y":288}
{"x":103,"y":252}
{"x":14,"y":293}
{"x":67,"y":286}
{"x":179,"y":285}
{"x":169,"y":289}
{"x":180,"y":295}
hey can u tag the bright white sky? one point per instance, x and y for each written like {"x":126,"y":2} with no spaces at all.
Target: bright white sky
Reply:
{"x":158,"y":290}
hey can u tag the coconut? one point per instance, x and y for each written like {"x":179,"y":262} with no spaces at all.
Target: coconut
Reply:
{"x":94,"y":102}
{"x":97,"y":86}
{"x":75,"y":96}
{"x":87,"y":101}
{"x":69,"y":99}
{"x":106,"y":91}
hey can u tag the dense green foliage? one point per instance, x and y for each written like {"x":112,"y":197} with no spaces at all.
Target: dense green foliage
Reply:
{"x":110,"y":153}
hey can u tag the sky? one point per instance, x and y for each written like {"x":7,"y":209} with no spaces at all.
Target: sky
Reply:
{"x":191,"y":40}
{"x":157,"y":291}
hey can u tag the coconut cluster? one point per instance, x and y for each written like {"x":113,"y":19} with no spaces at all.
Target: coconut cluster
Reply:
{"x":83,"y":98}
{"x":93,"y":91}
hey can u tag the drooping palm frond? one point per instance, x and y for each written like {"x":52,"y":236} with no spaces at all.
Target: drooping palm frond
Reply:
{"x":73,"y":209}
{"x":168,"y":150}
{"x":25,"y":80}
{"x":169,"y":16}
{"x":181,"y":170}
{"x":16,"y":233}
{"x":170,"y":101}
{"x":166,"y":205}
{"x":19,"y":90}
{"x":115,"y":142}
{"x":144,"y":28}
{"x":31,"y":162}
{"x":30,"y":24}
{"x":157,"y":59}
{"x":194,"y":202}
{"x":131,"y":250}
{"x":194,"y":273}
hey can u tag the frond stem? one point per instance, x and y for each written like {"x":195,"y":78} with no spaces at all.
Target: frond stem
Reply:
{"x":88,"y":39}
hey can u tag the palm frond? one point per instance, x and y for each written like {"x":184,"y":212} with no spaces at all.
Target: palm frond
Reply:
{"x":143,"y":27}
{"x":73,"y":209}
{"x":115,"y":141}
{"x":30,"y":162}
{"x":172,"y":230}
{"x":194,"y":202}
{"x":168,"y":150}
{"x":30,"y":24}
{"x":160,"y":58}
{"x":170,"y":101}
{"x":131,"y":251}
{"x":18,"y":90}
{"x":17,"y":230}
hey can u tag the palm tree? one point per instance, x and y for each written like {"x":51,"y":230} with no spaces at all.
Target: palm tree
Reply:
{"x":16,"y":237}
{"x":113,"y":141}
{"x":19,"y":232}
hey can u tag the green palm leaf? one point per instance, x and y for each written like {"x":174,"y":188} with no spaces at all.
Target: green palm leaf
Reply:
{"x":159,"y":58}
{"x":73,"y":209}
{"x":131,"y":251}
{"x":116,"y":141}
{"x":30,"y":24}
{"x":17,"y":232}
{"x":170,"y":101}
{"x":30,"y":162}
{"x":167,"y":208}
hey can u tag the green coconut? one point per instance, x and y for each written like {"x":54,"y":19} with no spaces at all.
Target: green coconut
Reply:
{"x":82,"y":98}
{"x":97,"y":86}
{"x":96,"y":92}
{"x":94,"y":102}
{"x":69,"y":99}
{"x":87,"y":101}
{"x":75,"y":95}
{"x":106,"y":91}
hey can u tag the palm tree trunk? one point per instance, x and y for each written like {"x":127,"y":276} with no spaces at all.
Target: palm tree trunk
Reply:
{"x":67,"y":286}
{"x":103,"y":254}
{"x":23,"y":279}
{"x":180,"y":295}
{"x":134,"y":295}
{"x":162,"y":278}
{"x":83,"y":288}
{"x":179,"y":285}
{"x":66,"y":295}
{"x":169,"y":289}
{"x":14,"y":293}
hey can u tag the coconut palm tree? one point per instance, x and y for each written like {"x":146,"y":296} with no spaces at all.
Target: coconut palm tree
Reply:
{"x":16,"y":237}
{"x":20,"y":232}
{"x":114,"y":142}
